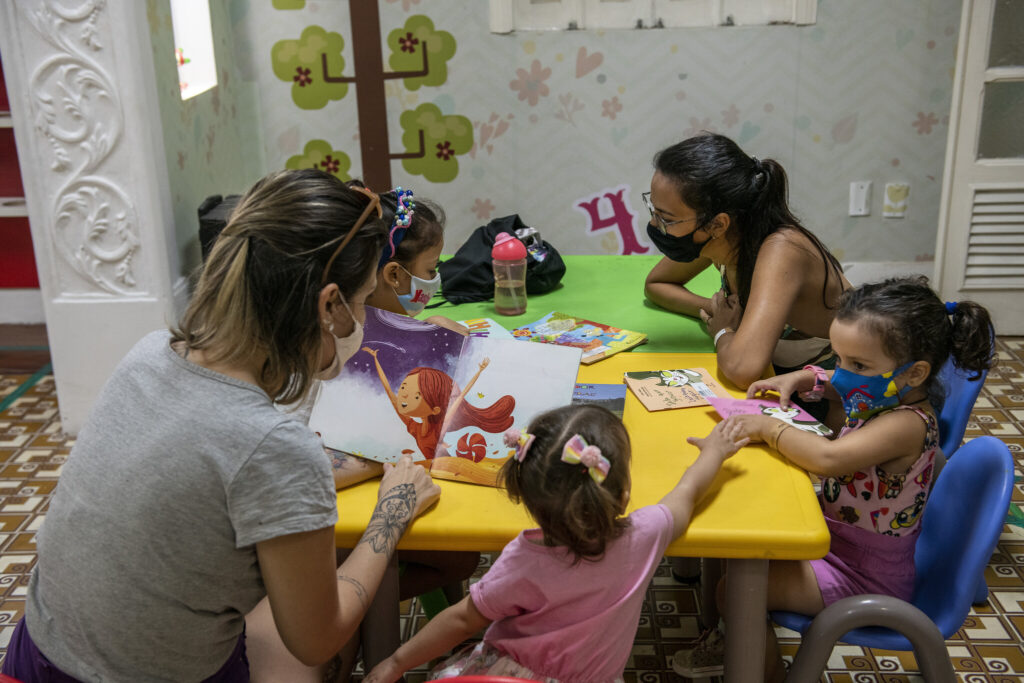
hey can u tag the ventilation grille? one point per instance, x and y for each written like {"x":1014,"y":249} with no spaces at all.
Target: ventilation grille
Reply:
{"x":995,"y":250}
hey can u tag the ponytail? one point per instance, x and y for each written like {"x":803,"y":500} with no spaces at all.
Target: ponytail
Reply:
{"x":971,"y":338}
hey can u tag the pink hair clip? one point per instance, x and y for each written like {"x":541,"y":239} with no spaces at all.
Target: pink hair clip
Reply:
{"x":519,"y":440}
{"x":578,"y":452}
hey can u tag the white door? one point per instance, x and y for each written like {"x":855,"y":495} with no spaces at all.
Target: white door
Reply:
{"x":980,"y":250}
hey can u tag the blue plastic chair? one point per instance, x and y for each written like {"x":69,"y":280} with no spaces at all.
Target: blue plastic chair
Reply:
{"x":961,"y":394}
{"x":960,"y":526}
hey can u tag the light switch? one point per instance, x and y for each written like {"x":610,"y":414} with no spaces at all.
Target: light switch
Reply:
{"x":860,"y":198}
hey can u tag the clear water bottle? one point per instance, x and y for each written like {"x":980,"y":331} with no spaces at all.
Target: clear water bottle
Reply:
{"x":509,"y":259}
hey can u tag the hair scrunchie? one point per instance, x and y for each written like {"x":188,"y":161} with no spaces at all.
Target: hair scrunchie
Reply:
{"x":951,"y":307}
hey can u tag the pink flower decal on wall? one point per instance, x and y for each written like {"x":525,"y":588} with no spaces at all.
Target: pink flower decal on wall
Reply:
{"x":611,"y":108}
{"x":924,"y":122}
{"x":531,"y":84}
{"x":482,"y":209}
{"x":406,"y":4}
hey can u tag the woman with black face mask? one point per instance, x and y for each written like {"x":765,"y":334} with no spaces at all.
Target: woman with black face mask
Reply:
{"x":712,"y":204}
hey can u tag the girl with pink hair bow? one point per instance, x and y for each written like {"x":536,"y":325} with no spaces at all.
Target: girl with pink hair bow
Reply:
{"x":563,"y":601}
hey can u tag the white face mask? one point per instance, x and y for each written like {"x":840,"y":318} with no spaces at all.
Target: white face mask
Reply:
{"x":420,"y":293}
{"x":344,"y":347}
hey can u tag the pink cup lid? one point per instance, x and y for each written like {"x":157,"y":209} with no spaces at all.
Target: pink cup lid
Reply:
{"x":507,"y":248}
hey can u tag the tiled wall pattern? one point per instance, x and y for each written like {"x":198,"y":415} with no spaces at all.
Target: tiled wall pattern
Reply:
{"x":987,"y":649}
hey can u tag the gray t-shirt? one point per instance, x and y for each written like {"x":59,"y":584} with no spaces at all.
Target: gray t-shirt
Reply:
{"x":147,"y":564}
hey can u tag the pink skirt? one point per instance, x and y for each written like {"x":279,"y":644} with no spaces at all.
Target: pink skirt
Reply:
{"x":860,"y":561}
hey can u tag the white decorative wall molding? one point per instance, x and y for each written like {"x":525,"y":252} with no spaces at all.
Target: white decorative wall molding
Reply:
{"x":77,"y":110}
{"x":90,"y":145}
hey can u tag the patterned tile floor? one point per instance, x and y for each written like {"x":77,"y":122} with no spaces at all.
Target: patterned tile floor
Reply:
{"x":988,"y":647}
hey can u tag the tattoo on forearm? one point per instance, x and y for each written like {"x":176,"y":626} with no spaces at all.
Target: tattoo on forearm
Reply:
{"x":339,"y":460}
{"x":390,"y":518}
{"x":364,"y":598}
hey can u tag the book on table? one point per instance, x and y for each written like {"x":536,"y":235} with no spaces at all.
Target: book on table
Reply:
{"x":446,"y":400}
{"x":596,"y":340}
{"x":485,"y":327}
{"x":609,"y":396}
{"x":668,"y":389}
{"x":793,"y":415}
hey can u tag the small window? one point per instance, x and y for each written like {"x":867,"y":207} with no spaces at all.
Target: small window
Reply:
{"x":555,"y":15}
{"x":193,"y":46}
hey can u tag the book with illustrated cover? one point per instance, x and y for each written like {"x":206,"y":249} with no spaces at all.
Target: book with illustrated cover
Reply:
{"x":418,"y":389}
{"x":610,"y":396}
{"x":793,"y":415}
{"x":668,"y":389}
{"x":596,"y":340}
{"x":485,"y":327}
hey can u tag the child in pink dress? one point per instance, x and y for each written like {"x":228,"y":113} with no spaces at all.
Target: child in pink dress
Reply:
{"x":891,"y":338}
{"x":562,"y":602}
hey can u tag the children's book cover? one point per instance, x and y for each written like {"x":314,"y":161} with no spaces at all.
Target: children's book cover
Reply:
{"x":597,"y":340}
{"x":418,"y":389}
{"x":793,"y":415}
{"x":668,"y":389}
{"x":485,"y":327}
{"x":610,"y":396}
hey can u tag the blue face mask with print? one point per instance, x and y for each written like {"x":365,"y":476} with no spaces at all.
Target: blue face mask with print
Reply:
{"x":866,"y":395}
{"x":420,"y":293}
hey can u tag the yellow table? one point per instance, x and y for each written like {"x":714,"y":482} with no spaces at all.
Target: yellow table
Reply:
{"x":760,"y":507}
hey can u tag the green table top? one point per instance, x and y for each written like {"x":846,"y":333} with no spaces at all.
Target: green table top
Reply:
{"x":608,"y":290}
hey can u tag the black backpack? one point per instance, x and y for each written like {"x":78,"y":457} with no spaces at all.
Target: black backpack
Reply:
{"x":467,"y":276}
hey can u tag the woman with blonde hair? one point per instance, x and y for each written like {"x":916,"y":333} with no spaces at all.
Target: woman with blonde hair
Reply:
{"x":188,"y":496}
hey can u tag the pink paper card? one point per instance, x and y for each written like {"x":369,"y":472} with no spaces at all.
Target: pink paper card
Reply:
{"x":793,"y":415}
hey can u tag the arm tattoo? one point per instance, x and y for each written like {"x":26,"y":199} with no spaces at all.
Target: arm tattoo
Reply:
{"x":360,"y":591}
{"x":339,"y":460}
{"x":390,"y":518}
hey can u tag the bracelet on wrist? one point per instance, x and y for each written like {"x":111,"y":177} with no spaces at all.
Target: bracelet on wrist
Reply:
{"x":718,"y":335}
{"x":817,"y":392}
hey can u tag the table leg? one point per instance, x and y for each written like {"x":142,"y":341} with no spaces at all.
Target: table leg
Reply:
{"x":380,"y":631}
{"x":746,"y":618}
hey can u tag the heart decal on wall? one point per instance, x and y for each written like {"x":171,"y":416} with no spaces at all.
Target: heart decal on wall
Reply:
{"x":585,"y":63}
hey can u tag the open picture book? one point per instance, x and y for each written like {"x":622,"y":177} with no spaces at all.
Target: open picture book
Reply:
{"x":793,"y":415}
{"x":668,"y":389}
{"x":596,"y":340}
{"x":418,"y":389}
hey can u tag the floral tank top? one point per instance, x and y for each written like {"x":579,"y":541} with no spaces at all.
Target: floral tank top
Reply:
{"x":879,"y":501}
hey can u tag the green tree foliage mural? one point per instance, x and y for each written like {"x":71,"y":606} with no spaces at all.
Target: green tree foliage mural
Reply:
{"x":444,"y":137}
{"x":318,"y":154}
{"x":301,"y":62}
{"x":407,"y":45}
{"x":314,"y":66}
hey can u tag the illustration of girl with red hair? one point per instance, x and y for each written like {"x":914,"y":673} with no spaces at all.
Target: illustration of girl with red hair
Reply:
{"x":422,"y":403}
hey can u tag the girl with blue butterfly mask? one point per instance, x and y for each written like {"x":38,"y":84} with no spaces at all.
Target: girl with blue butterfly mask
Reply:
{"x":891,"y":339}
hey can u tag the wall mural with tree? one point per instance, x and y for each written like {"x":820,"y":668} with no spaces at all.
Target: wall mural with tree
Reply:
{"x":314,"y":66}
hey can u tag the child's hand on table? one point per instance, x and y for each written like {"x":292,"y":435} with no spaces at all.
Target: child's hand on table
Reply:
{"x":784,"y":385}
{"x":723,"y":441}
